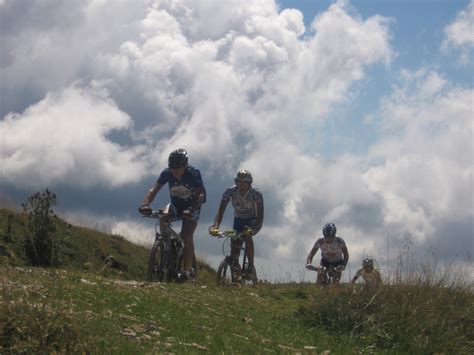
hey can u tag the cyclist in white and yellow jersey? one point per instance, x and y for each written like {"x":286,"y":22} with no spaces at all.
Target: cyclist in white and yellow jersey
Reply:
{"x":248,"y":213}
{"x":370,"y":275}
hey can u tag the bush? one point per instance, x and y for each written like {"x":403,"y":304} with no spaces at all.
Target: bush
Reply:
{"x":39,"y":243}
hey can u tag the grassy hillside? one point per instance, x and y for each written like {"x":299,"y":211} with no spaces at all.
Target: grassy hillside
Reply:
{"x":59,"y":310}
{"x":80,"y":248}
{"x":91,"y":306}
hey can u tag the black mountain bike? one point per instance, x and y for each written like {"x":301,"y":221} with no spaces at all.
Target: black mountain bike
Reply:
{"x":166,"y":257}
{"x":327,"y":275}
{"x":229,"y":271}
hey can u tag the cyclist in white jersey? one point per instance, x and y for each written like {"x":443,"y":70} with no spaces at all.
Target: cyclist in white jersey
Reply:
{"x":334,"y":251}
{"x":248,"y":213}
{"x":370,"y":275}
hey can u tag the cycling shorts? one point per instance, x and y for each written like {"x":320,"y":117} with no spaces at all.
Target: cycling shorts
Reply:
{"x":177,"y":212}
{"x":241,"y":223}
{"x":334,"y":264}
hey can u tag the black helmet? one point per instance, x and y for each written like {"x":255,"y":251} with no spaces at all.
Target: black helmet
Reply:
{"x":368,"y":263}
{"x":178,"y":158}
{"x":329,"y":230}
{"x":243,"y":175}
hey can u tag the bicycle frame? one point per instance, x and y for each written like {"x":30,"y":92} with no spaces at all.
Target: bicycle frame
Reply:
{"x":326,"y":275}
{"x":227,"y":266}
{"x":166,"y":255}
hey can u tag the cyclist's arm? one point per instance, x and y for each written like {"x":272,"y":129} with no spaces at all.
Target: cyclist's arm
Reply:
{"x":345,"y":252}
{"x":198,"y":199}
{"x":150,"y":196}
{"x":378,"y":278}
{"x":356,"y":276}
{"x":259,"y":222}
{"x":220,"y":213}
{"x":311,"y":254}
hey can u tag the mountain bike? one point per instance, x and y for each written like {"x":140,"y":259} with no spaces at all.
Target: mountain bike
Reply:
{"x":166,"y":256}
{"x":229,"y":271}
{"x":327,"y":275}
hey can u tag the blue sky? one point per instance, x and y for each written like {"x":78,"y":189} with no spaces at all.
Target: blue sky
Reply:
{"x":359,"y":113}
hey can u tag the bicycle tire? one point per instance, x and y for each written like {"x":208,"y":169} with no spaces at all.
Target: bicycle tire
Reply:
{"x":224,"y":273}
{"x":155,"y":263}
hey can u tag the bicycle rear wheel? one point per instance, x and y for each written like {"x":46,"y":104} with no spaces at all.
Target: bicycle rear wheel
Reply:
{"x":156,"y":261}
{"x":224,"y":273}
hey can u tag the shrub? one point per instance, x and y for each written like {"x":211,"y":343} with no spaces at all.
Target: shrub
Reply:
{"x":39,"y":243}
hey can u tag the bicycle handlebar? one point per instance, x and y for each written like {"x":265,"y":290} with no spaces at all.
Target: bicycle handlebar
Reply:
{"x":225,"y":234}
{"x":323,"y":268}
{"x":158,"y":215}
{"x":311,"y":267}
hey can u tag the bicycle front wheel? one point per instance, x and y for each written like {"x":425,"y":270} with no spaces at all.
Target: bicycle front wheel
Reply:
{"x":224,"y":273}
{"x":155,"y":272}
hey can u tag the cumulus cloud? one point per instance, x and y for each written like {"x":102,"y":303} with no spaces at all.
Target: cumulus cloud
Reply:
{"x":460,"y":34}
{"x":63,"y":140}
{"x":425,"y":168}
{"x":253,"y":88}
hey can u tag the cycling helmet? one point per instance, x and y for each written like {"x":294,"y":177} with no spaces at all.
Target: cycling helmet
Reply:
{"x":243,"y":175}
{"x":178,"y":158}
{"x":329,"y":230}
{"x":368,"y":263}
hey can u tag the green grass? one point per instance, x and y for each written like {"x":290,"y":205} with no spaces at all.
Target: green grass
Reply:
{"x":88,"y":306}
{"x":64,"y":310}
{"x":410,"y":318}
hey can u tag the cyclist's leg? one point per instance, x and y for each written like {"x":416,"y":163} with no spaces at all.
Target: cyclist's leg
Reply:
{"x":250,"y":251}
{"x":187,"y":234}
{"x":321,"y":278}
{"x":249,"y":245}
{"x":337,"y":279}
{"x":168,"y":211}
{"x":236,"y":245}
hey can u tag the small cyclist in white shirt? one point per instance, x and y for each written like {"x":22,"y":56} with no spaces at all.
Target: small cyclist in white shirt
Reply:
{"x":248,"y":213}
{"x":369,"y":274}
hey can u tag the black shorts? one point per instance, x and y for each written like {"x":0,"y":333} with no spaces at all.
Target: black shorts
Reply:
{"x":333,"y":264}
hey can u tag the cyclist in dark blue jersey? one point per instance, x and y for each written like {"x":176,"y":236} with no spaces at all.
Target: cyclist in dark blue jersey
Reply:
{"x":187,"y":194}
{"x":248,"y":213}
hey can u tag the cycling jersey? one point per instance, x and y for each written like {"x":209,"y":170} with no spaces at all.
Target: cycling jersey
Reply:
{"x":371,"y":277}
{"x":245,"y":206}
{"x":183,"y":190}
{"x":331,"y":252}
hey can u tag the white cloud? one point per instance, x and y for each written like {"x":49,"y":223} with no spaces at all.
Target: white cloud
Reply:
{"x":460,"y":34}
{"x":63,"y":140}
{"x":247,"y":86}
{"x":427,"y":155}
